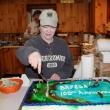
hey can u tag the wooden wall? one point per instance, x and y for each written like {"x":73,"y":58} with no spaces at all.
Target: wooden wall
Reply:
{"x":73,"y":17}
{"x":9,"y":64}
{"x":81,"y":16}
{"x":100,"y":15}
{"x":13,"y":15}
{"x":108,"y":10}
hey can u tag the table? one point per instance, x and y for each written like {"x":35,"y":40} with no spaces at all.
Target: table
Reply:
{"x":12,"y":101}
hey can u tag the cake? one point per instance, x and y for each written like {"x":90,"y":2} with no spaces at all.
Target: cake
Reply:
{"x":86,"y":94}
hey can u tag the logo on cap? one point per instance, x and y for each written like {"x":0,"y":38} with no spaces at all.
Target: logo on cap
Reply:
{"x":49,"y":14}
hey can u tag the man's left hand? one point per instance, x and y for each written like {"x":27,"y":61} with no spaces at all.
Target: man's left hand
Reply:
{"x":55,"y":77}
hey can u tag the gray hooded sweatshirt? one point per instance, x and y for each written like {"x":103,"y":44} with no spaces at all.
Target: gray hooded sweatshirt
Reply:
{"x":56,"y":56}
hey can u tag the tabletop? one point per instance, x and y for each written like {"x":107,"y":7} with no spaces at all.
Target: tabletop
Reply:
{"x":12,"y":101}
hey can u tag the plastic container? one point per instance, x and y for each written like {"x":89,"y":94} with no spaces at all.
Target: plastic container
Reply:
{"x":10,"y":85}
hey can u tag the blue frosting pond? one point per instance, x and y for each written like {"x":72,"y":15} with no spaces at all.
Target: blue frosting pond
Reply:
{"x":88,"y":90}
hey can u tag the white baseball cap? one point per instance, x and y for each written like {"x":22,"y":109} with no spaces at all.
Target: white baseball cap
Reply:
{"x":48,"y":17}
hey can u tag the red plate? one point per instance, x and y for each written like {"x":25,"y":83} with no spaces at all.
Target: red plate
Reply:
{"x":12,"y":88}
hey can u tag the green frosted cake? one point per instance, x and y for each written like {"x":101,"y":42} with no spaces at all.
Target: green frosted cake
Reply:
{"x":86,"y":94}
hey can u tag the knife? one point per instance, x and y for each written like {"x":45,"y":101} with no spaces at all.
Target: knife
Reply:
{"x":42,"y":77}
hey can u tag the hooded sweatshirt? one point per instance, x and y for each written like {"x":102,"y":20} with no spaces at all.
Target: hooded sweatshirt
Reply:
{"x":56,"y":56}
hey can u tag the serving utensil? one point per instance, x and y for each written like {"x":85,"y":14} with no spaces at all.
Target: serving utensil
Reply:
{"x":42,"y":77}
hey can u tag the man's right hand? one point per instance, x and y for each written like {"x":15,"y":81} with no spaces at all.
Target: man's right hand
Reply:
{"x":35,"y":61}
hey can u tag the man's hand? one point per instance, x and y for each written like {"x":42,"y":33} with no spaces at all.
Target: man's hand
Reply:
{"x":55,"y":77}
{"x":35,"y":61}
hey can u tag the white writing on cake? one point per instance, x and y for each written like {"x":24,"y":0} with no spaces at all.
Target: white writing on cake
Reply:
{"x":70,"y":93}
{"x":69,"y":87}
{"x":71,"y":90}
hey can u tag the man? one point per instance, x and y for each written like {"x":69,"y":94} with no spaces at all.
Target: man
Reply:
{"x":47,"y":53}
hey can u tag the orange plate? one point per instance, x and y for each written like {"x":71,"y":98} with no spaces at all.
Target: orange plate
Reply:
{"x":11,"y":89}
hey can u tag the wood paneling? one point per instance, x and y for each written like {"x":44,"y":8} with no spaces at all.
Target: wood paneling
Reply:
{"x":100,"y":15}
{"x":40,"y":1}
{"x":108,"y":10}
{"x":9,"y":64}
{"x":12,"y":17}
{"x":76,"y":51}
{"x":73,"y":17}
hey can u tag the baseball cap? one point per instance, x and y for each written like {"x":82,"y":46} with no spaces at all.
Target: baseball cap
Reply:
{"x":48,"y":17}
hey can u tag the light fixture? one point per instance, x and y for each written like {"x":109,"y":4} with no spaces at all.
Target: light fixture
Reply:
{"x":67,"y":1}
